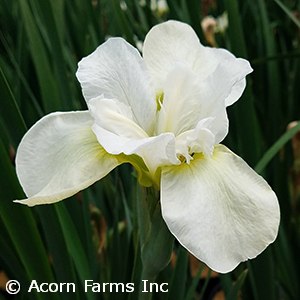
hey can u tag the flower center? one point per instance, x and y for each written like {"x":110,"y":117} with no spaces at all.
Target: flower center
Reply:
{"x":186,"y":157}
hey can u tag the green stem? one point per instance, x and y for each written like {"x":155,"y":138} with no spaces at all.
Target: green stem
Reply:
{"x":155,"y":240}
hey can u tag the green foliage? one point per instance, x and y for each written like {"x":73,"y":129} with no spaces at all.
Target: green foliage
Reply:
{"x":103,"y":234}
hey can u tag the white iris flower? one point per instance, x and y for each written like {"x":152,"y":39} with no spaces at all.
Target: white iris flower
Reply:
{"x":165,"y":113}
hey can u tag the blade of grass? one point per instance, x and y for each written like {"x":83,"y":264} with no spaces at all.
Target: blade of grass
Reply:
{"x":234,"y":292}
{"x":273,"y":91}
{"x":194,"y":12}
{"x":179,"y":277}
{"x":74,"y":245}
{"x":204,"y":287}
{"x":21,"y":226}
{"x":10,"y":111}
{"x":122,"y":21}
{"x":10,"y":258}
{"x":289,"y":13}
{"x":44,"y":12}
{"x":178,"y":10}
{"x":40,"y":59}
{"x":275,"y":148}
{"x":60,"y":258}
{"x":288,"y":274}
{"x":190,"y":294}
{"x":18,"y":60}
{"x":247,"y":126}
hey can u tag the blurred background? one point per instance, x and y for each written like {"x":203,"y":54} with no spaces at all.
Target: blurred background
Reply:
{"x":94,"y":235}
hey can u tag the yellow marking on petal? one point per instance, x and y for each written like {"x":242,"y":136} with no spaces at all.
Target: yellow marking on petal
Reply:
{"x":181,"y":158}
{"x":159,"y":99}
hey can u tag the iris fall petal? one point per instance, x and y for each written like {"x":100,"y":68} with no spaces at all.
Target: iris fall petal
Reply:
{"x":59,"y":156}
{"x":219,"y":209}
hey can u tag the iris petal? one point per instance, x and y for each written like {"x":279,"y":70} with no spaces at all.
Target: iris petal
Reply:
{"x":117,"y":132}
{"x":219,"y":209}
{"x":188,"y":100}
{"x":59,"y":156}
{"x":175,"y":43}
{"x":167,"y":44}
{"x":116,"y":70}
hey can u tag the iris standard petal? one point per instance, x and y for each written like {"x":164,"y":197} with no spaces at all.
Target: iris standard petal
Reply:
{"x":213,"y":58}
{"x":118,"y":133}
{"x":173,"y":42}
{"x":236,"y":92}
{"x":188,"y":100}
{"x":184,"y":102}
{"x":59,"y":156}
{"x":167,"y":44}
{"x":219,"y":209}
{"x":117,"y":71}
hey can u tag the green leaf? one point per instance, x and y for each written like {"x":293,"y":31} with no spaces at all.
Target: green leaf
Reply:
{"x":60,"y":257}
{"x":275,"y":148}
{"x":40,"y":58}
{"x":157,"y":249}
{"x":74,"y":246}
{"x":45,"y":10}
{"x":179,"y":277}
{"x":190,"y":294}
{"x":234,"y":293}
{"x":20,"y":225}
{"x":245,"y":118}
{"x":291,"y":15}
{"x":273,"y":91}
{"x":10,"y":112}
